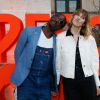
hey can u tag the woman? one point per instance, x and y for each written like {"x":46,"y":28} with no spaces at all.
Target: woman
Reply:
{"x":78,"y":60}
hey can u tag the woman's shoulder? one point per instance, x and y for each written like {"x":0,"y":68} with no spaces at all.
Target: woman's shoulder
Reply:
{"x":61,"y":35}
{"x":91,"y":37}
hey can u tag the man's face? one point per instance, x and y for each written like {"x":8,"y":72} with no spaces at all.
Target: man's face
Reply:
{"x":56,"y":22}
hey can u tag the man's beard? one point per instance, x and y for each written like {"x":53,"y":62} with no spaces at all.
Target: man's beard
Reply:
{"x":52,"y":29}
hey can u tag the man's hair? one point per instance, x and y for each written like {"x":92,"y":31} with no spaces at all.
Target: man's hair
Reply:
{"x":61,"y":19}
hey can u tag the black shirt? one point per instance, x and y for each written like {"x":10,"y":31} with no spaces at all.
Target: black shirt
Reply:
{"x":78,"y":64}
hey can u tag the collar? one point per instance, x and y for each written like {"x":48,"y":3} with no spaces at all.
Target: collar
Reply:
{"x":69,"y":33}
{"x":54,"y":34}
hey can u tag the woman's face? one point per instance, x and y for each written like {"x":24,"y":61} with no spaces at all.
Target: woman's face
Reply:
{"x":78,"y":20}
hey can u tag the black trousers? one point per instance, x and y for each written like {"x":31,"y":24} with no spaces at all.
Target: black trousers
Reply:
{"x":80,"y":89}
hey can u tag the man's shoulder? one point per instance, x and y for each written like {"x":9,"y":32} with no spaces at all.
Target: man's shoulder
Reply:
{"x":32,"y":28}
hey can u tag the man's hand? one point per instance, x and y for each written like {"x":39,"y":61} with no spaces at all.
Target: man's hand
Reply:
{"x":9,"y":92}
{"x":53,"y":93}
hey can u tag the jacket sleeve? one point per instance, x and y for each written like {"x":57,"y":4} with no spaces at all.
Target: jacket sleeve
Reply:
{"x":58,"y":58}
{"x":20,"y":45}
{"x":95,"y":61}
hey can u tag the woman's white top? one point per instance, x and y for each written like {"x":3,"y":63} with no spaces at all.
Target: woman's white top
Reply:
{"x":65,"y":60}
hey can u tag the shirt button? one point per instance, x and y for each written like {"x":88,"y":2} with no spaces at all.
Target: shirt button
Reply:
{"x":40,"y":50}
{"x":46,"y":52}
{"x":76,"y":67}
{"x":77,"y":53}
{"x":41,"y":62}
{"x":86,"y":75}
{"x":83,"y":65}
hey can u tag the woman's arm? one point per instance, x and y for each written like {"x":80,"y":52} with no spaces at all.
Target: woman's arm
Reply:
{"x":58,"y":58}
{"x":95,"y":61}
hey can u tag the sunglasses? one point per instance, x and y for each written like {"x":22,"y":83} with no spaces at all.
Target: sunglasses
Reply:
{"x":59,"y":21}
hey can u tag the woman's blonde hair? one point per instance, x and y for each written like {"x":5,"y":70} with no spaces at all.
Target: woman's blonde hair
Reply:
{"x":85,"y":28}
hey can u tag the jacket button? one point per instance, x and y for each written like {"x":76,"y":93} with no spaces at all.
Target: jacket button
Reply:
{"x":76,"y":67}
{"x":83,"y":65}
{"x":77,"y":53}
{"x":41,"y":62}
{"x":86,"y":75}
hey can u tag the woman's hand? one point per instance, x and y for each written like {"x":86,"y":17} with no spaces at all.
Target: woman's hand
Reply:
{"x":98,"y":91}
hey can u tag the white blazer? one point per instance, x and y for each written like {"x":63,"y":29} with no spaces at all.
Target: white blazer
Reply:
{"x":66,"y":49}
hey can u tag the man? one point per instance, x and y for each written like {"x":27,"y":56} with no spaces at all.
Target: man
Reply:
{"x":35,"y":53}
